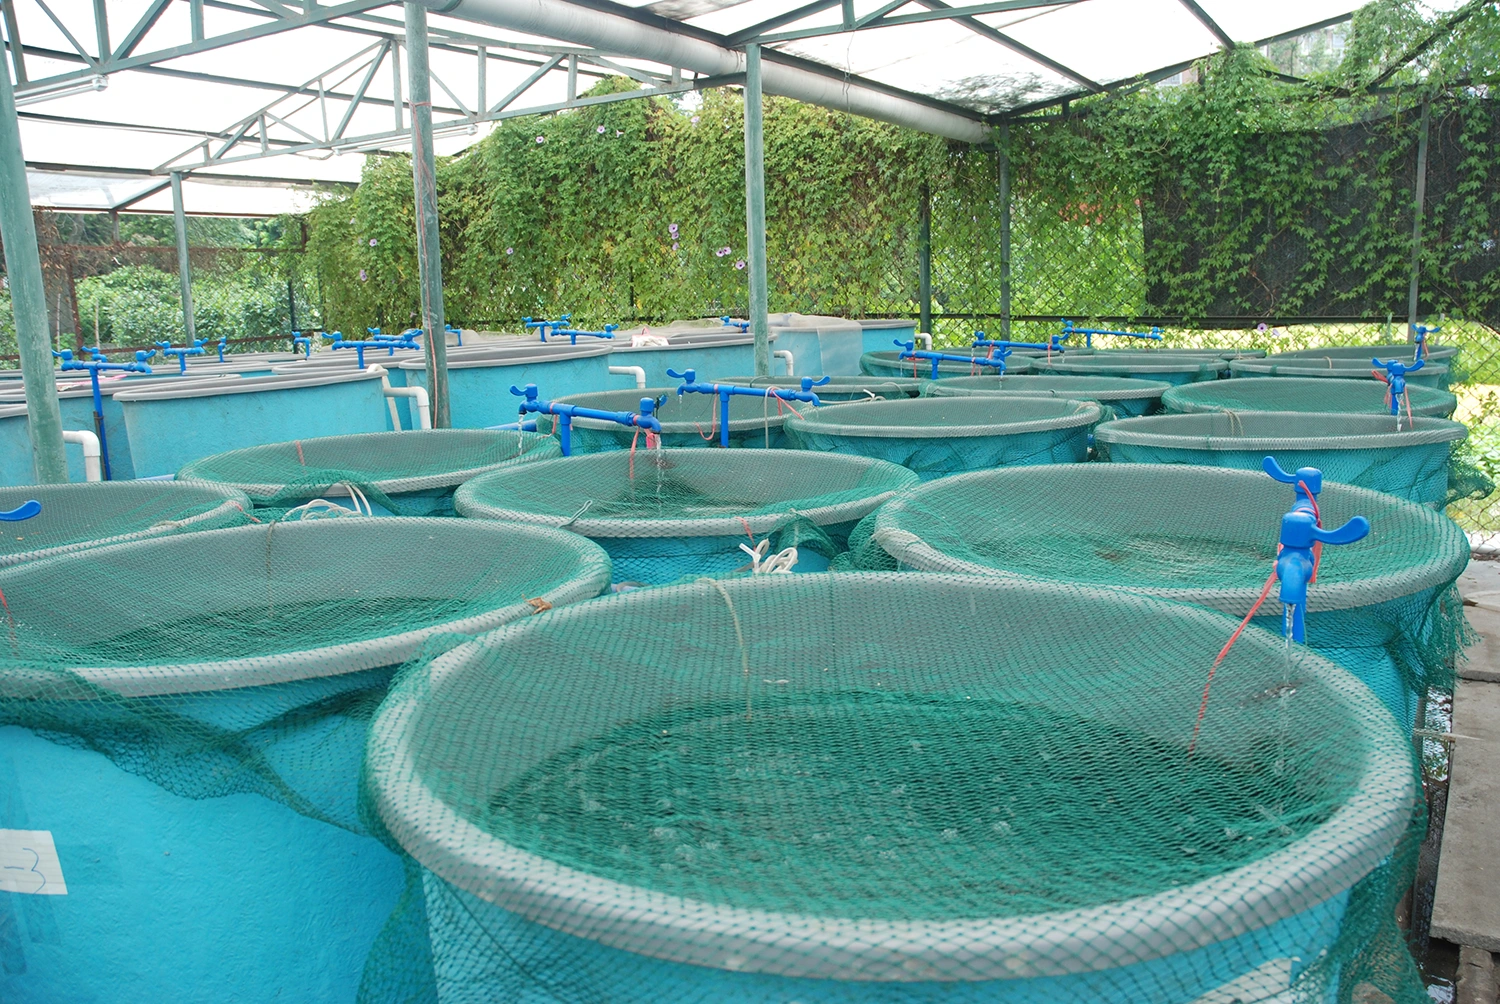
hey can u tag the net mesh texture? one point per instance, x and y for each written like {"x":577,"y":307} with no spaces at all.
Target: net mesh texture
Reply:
{"x":665,"y":513}
{"x":890,"y":364}
{"x":687,"y":420}
{"x":85,"y":515}
{"x":841,"y":388}
{"x":1169,"y":368}
{"x":1308,"y":394}
{"x":799,"y":788}
{"x":1385,"y":605}
{"x":1124,"y":397}
{"x":1430,"y":375}
{"x":1417,"y":459}
{"x":409,"y":473}
{"x":939,"y":436}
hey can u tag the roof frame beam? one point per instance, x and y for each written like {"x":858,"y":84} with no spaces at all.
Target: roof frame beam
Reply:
{"x":1208,"y":22}
{"x":883,"y":18}
{"x":995,"y":35}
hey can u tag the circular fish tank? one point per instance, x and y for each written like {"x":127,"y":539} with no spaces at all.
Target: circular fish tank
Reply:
{"x":938,"y":436}
{"x":184,"y":718}
{"x":1406,"y":457}
{"x":687,"y":420}
{"x":890,"y":364}
{"x":379,"y":473}
{"x":665,"y":514}
{"x":796,"y":788}
{"x":1430,"y":375}
{"x":1384,"y":607}
{"x":1306,"y":394}
{"x":1162,"y":367}
{"x":840,"y":388}
{"x":1124,"y":396}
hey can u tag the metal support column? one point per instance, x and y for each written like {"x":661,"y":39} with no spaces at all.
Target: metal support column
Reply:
{"x":1004,"y":157}
{"x":195,"y":19}
{"x":924,"y":261}
{"x":755,"y":212}
{"x":23,"y":269}
{"x":184,"y":268}
{"x":429,"y":257}
{"x":396,"y":77}
{"x":1416,"y":226}
{"x":101,"y":28}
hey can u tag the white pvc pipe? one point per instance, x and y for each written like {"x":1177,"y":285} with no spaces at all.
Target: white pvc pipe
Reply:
{"x":93,"y":469}
{"x":638,"y":372}
{"x":791,"y":364}
{"x":420,"y":405}
{"x":925,"y":339}
{"x":614,"y":33}
{"x":385,"y":388}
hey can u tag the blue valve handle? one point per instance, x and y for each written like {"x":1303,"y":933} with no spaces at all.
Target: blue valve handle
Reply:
{"x":1295,"y":563}
{"x":1069,"y":328}
{"x":909,"y":350}
{"x":543,"y":326}
{"x":691,"y":385}
{"x":222,"y":344}
{"x":608,"y":332}
{"x":456,"y":332}
{"x":1419,"y":335}
{"x":1311,"y":477}
{"x":26,"y":510}
{"x":196,"y":349}
{"x":730,"y":322}
{"x":94,"y":366}
{"x":299,"y":339}
{"x":1395,"y":376}
{"x":531,"y":404}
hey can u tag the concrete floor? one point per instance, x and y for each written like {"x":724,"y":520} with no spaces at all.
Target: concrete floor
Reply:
{"x":1466,"y":904}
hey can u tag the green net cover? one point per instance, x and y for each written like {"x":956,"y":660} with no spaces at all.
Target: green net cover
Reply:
{"x":1161,"y":367}
{"x":1385,"y":350}
{"x":407,"y":473}
{"x":841,"y":388}
{"x":938,"y":436}
{"x":1200,"y":535}
{"x":296,"y":625}
{"x":1208,"y":353}
{"x":1309,"y":394}
{"x":687,"y":420}
{"x":1408,"y":458}
{"x":86,"y":515}
{"x":663,"y":514}
{"x":897,"y":788}
{"x":1124,"y":396}
{"x":1430,"y":375}
{"x":890,"y":364}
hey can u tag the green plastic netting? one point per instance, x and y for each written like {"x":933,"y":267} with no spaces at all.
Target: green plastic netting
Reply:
{"x":1430,"y":375}
{"x":1161,"y":367}
{"x":841,"y":388}
{"x":1413,"y":459}
{"x":687,"y":420}
{"x":940,"y":436}
{"x":1210,"y":351}
{"x":1304,"y":394}
{"x":1386,"y":604}
{"x":86,"y":515}
{"x":404,"y":473}
{"x":1123,"y":396}
{"x":1445,"y":354}
{"x":665,"y":514}
{"x":304,"y":620}
{"x":890,"y":364}
{"x":902,"y":788}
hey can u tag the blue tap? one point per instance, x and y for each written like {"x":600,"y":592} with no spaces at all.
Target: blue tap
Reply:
{"x":1307,"y":484}
{"x":531,"y":404}
{"x":730,"y":322}
{"x":391,"y":344}
{"x":1419,"y":335}
{"x":1053,"y":344}
{"x":544,"y":326}
{"x":909,"y":350}
{"x":691,"y":385}
{"x":455,"y":332}
{"x":1295,"y":563}
{"x":608,"y":332}
{"x":196,"y":349}
{"x":1395,"y":377}
{"x":222,"y":344}
{"x":299,"y":339}
{"x":26,"y":510}
{"x":1069,"y":328}
{"x":93,"y":367}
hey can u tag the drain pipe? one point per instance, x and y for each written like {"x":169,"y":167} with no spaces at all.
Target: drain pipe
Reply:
{"x":418,"y":395}
{"x":791,"y":363}
{"x":93,"y":469}
{"x":636,"y":371}
{"x":615,"y":33}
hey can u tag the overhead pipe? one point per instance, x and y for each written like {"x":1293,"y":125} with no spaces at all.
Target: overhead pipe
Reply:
{"x":615,"y":33}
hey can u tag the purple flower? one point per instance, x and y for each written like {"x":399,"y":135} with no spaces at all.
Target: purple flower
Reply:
{"x":672,"y":229}
{"x":694,"y":120}
{"x":373,"y":242}
{"x":510,"y":250}
{"x":541,"y":139}
{"x":674,"y":245}
{"x":740,"y":263}
{"x":599,"y":130}
{"x":363,"y":277}
{"x":1261,"y":326}
{"x":721,"y":252}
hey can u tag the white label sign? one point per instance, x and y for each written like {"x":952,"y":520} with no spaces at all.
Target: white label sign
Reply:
{"x":28,"y":863}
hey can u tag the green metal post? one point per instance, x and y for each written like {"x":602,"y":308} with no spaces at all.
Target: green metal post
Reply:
{"x":924,"y":261}
{"x":424,"y":178}
{"x":1004,"y":156}
{"x":755,"y":212}
{"x":184,"y":268}
{"x":1416,"y":226}
{"x":23,"y":269}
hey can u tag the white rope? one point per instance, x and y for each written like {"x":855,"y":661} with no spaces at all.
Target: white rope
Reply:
{"x":324,"y":509}
{"x":780,"y":563}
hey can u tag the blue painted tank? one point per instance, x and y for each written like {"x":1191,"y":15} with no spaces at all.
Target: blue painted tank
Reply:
{"x":16,"y":466}
{"x":479,"y":380}
{"x":709,"y":351}
{"x":680,"y":902}
{"x":170,"y":426}
{"x":345,"y":361}
{"x":182,"y":722}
